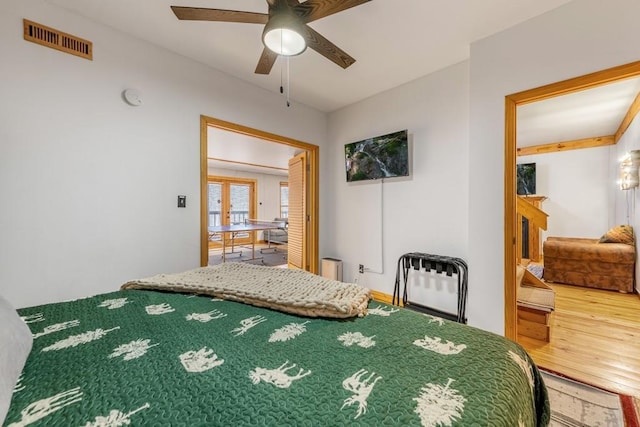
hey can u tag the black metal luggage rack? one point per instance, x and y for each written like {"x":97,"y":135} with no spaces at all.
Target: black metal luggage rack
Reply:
{"x":441,"y":265}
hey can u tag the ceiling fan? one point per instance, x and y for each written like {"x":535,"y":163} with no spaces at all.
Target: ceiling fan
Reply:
{"x":286,"y":31}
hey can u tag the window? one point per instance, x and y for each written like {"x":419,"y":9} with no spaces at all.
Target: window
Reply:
{"x":284,"y":200}
{"x":215,"y":203}
{"x":239,"y":200}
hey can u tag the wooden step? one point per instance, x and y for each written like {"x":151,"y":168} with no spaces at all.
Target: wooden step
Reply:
{"x":534,"y":323}
{"x":536,"y":302}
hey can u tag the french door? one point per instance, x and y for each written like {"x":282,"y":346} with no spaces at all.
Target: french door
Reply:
{"x":231,"y":201}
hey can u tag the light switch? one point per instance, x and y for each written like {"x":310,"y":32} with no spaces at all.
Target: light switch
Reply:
{"x":182,"y":201}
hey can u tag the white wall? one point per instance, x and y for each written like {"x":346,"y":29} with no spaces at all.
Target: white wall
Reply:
{"x":88,"y":183}
{"x":426,"y":212}
{"x":577,"y":185}
{"x":581,"y":37}
{"x":626,"y":201}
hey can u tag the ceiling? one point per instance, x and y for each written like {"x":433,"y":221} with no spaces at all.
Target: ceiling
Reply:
{"x":244,"y":153}
{"x":586,"y":114}
{"x":393,"y":41}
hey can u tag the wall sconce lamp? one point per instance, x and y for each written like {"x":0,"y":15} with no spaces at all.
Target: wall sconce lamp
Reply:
{"x":629,"y":170}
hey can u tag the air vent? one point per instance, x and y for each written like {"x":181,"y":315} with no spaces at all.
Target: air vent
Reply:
{"x":46,"y":36}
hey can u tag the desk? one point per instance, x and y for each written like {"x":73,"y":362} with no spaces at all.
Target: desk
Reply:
{"x":250,"y":226}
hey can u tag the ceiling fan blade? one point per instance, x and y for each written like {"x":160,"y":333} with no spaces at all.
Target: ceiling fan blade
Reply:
{"x":327,"y":49}
{"x":312,"y":10}
{"x":266,"y":61}
{"x":202,"y":14}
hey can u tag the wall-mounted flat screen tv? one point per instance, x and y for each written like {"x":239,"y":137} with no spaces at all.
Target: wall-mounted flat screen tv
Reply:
{"x":526,"y":178}
{"x":385,"y":156}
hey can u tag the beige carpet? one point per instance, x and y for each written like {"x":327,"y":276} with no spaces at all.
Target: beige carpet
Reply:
{"x":580,"y":405}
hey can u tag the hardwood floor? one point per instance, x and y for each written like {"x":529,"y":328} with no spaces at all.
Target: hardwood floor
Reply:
{"x":595,"y":338}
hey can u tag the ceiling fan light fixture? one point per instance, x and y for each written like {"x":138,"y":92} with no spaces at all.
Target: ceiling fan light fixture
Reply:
{"x":283,"y":35}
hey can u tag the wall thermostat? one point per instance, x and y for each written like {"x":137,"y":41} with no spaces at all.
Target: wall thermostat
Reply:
{"x":132,"y":97}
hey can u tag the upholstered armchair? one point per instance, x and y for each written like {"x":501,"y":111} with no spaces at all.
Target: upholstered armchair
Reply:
{"x":604,"y":264}
{"x":279,"y":235}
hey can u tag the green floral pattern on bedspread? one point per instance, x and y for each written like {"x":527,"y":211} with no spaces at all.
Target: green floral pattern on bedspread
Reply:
{"x":151,"y":358}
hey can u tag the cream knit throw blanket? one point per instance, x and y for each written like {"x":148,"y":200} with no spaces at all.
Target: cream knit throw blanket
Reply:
{"x":283,"y":289}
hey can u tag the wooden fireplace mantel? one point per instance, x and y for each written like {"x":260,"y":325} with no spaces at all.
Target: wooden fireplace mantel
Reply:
{"x":530,"y":207}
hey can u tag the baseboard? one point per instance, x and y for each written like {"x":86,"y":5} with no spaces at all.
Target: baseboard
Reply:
{"x":382,"y":297}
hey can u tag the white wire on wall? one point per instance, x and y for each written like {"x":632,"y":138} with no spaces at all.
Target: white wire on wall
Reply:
{"x":381,"y":271}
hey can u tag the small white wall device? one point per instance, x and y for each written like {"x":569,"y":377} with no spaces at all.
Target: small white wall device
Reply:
{"x":132,"y":97}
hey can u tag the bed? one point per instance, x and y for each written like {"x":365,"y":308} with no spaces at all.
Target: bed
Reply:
{"x":144,"y":355}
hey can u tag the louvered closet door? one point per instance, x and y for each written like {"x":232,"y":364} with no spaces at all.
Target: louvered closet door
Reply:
{"x":297,"y":236}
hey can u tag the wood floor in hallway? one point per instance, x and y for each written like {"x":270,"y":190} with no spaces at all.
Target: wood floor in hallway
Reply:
{"x":595,"y":338}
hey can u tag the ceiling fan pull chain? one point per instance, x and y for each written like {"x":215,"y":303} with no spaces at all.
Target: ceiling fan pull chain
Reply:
{"x":288,"y":83}
{"x":281,"y":66}
{"x":281,"y":86}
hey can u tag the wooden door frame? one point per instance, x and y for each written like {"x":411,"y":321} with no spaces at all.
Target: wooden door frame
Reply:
{"x":313,"y":195}
{"x":512,"y":101}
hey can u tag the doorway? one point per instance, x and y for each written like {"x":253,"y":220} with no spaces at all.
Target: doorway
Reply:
{"x":311,"y":188}
{"x":510,"y":227}
{"x":585,"y":358}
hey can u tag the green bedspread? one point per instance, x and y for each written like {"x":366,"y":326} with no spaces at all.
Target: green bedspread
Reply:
{"x":150,"y":358}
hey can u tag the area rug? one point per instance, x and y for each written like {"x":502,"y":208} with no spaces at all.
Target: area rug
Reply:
{"x":577,"y":404}
{"x":269,"y":256}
